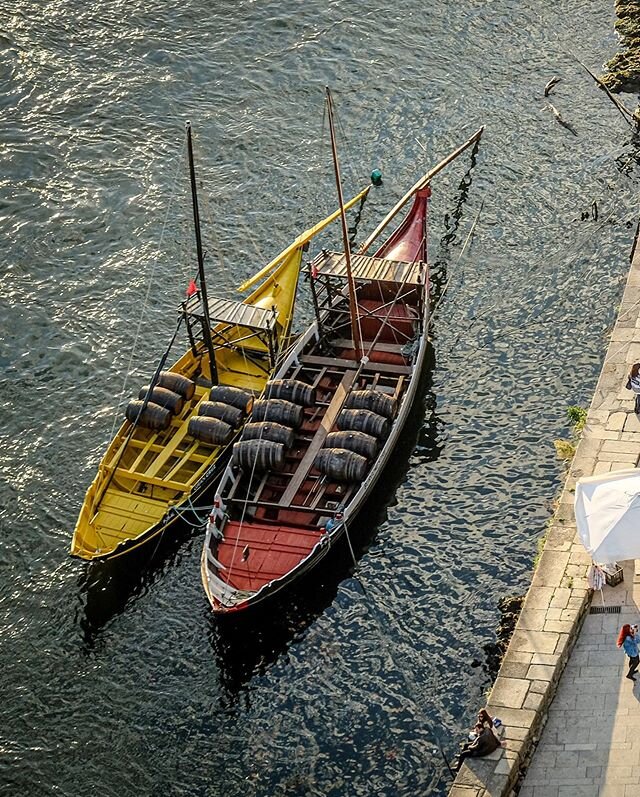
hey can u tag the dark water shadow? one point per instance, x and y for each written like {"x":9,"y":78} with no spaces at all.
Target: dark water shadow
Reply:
{"x":106,"y":588}
{"x":247,"y":643}
{"x":628,"y":160}
{"x":451,"y":223}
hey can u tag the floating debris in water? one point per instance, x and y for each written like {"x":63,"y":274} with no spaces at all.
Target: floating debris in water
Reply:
{"x":564,"y":123}
{"x":550,"y":85}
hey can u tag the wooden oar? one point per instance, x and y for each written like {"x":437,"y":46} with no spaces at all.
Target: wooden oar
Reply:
{"x":422,"y":182}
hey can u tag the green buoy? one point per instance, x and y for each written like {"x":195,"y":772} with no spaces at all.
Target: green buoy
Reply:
{"x":376,"y":177}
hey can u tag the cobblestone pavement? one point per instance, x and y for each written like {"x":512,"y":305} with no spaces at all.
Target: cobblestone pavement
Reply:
{"x":590,"y":746}
{"x":562,"y":663}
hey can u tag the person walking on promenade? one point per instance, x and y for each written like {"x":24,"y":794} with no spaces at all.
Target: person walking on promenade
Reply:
{"x":633,"y":383}
{"x":628,"y":639}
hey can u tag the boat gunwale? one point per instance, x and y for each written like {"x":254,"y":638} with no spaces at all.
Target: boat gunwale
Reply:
{"x":323,"y":545}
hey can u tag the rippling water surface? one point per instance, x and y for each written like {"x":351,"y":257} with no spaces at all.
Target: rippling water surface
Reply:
{"x":117,"y":680}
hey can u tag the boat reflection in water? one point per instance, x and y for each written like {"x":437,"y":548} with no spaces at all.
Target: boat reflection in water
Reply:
{"x":245,"y":644}
{"x":107,"y":587}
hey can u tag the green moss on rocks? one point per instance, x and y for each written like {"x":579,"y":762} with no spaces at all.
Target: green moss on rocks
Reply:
{"x":623,"y":70}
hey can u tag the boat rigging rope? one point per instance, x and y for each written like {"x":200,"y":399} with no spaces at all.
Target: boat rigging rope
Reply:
{"x":190,"y":509}
{"x":246,"y":229}
{"x":353,"y":557}
{"x":242,"y":516}
{"x":392,"y":304}
{"x":179,"y":162}
{"x":349,"y":160}
{"x":464,"y":246}
{"x":227,"y":277}
{"x":134,"y":425}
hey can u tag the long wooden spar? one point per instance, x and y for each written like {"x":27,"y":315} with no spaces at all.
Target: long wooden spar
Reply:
{"x":422,"y":182}
{"x":353,"y":303}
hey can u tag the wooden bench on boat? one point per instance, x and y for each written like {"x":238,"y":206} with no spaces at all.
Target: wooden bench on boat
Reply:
{"x":383,"y":368}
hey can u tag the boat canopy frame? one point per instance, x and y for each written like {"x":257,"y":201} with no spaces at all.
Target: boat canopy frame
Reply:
{"x":225,"y":315}
{"x":328,"y":277}
{"x":366,"y":268}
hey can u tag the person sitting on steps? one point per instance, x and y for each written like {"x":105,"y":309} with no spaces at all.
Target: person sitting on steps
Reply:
{"x":484,"y":720}
{"x":483,"y":745}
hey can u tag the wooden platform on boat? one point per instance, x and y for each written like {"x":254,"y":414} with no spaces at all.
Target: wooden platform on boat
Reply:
{"x":382,"y":368}
{"x":369,"y":268}
{"x":228,"y":311}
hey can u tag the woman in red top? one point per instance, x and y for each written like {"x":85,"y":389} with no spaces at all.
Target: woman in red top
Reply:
{"x":628,"y":639}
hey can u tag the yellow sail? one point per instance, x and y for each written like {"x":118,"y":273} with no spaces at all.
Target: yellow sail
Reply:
{"x":301,"y":240}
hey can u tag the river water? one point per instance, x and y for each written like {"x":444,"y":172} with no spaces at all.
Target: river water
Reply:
{"x":118,"y":681}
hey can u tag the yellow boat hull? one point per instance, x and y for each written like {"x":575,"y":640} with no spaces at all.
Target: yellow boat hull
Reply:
{"x":144,"y":479}
{"x":147,"y":479}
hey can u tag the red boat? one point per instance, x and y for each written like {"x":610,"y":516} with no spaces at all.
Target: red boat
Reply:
{"x":328,"y":421}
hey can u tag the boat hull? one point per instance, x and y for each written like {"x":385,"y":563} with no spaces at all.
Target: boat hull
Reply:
{"x":186,"y":511}
{"x":356,"y":504}
{"x":146,"y":477}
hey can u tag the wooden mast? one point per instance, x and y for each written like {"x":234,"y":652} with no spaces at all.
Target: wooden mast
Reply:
{"x":353,"y":307}
{"x":203,"y":284}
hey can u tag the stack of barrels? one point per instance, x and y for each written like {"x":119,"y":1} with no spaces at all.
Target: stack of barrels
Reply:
{"x":154,"y":408}
{"x":363,"y":424}
{"x":220,"y":416}
{"x":275,"y":418}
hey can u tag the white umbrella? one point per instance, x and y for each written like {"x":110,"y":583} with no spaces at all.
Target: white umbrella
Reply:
{"x":608,"y":515}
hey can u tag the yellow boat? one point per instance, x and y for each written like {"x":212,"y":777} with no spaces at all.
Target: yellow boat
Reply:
{"x":172,"y":447}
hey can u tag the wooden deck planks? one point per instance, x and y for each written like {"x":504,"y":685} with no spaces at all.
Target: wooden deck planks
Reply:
{"x":328,"y":420}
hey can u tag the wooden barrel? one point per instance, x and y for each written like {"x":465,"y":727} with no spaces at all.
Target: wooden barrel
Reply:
{"x":225,"y":394}
{"x":278,"y":411}
{"x":341,"y":465}
{"x":358,"y":442}
{"x":210,"y":430}
{"x":363,"y":421}
{"x":275,"y":432}
{"x":260,"y":455}
{"x":178,"y":383}
{"x":154,"y":416}
{"x":225,"y":412}
{"x":291,"y":390}
{"x":372,"y":400}
{"x":164,"y":398}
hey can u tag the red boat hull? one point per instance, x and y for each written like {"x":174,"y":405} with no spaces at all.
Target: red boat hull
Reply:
{"x":275,"y":525}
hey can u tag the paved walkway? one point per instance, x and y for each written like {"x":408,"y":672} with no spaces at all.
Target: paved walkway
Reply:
{"x":562,"y":665}
{"x":590,"y":746}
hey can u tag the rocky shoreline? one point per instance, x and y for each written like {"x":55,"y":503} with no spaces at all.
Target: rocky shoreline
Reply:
{"x":623,"y":70}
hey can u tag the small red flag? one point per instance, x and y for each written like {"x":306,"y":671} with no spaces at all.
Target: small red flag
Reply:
{"x":193,"y":288}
